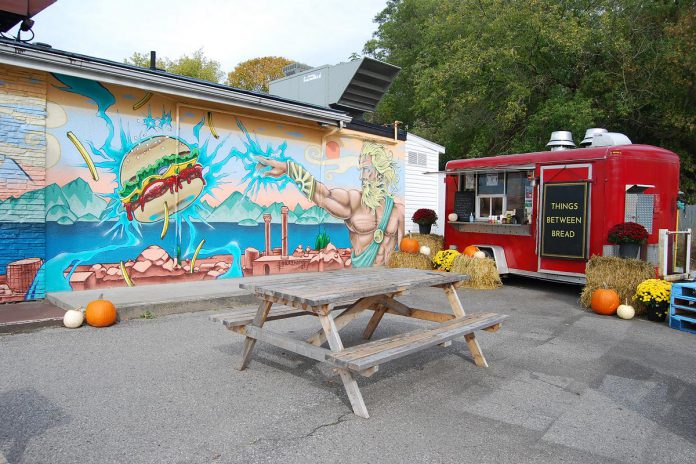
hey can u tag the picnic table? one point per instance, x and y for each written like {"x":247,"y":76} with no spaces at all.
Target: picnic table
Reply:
{"x":355,"y":291}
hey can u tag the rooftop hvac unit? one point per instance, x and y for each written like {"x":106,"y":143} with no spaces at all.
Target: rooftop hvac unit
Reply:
{"x":355,"y":87}
{"x":294,"y":68}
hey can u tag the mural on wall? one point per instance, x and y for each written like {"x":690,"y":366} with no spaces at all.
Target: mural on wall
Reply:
{"x":142,"y":189}
{"x":22,"y":147}
{"x":374,"y":220}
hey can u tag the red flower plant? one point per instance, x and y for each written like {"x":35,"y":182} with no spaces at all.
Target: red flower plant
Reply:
{"x":424,"y":216}
{"x":628,"y":232}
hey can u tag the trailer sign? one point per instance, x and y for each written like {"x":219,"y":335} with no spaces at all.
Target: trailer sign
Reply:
{"x":564,"y":220}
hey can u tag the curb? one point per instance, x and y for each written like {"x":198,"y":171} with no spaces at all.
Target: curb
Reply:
{"x":28,"y":326}
{"x":128,"y":311}
{"x":165,"y":308}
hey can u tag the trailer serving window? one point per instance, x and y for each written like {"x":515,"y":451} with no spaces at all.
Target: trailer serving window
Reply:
{"x":506,"y":194}
{"x":490,"y":194}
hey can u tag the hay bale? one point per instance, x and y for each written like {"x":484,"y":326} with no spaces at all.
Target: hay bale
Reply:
{"x":409,"y":260}
{"x":434,"y":242}
{"x":483,"y":273}
{"x":620,"y":274}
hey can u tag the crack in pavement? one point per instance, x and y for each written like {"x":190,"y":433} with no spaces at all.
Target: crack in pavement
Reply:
{"x":339,"y":420}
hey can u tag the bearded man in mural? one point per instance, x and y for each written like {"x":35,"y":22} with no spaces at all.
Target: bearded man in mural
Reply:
{"x":375,"y":222}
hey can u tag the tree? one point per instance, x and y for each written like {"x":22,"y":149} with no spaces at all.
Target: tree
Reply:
{"x":489,"y":77}
{"x":255,"y":74}
{"x":197,"y":65}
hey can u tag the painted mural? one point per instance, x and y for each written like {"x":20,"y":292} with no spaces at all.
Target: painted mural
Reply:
{"x":142,"y":189}
{"x":22,"y":172}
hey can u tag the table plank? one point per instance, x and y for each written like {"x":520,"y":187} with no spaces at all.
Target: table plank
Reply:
{"x":374,"y":353}
{"x":332,"y":286}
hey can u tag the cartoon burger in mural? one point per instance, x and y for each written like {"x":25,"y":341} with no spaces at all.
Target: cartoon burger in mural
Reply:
{"x":159,"y":176}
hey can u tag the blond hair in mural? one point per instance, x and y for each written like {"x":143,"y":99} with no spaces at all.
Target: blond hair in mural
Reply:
{"x":374,"y":191}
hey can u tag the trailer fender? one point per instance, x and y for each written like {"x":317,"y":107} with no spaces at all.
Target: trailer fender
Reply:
{"x":497,"y":253}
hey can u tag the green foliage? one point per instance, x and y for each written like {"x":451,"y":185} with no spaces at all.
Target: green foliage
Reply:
{"x":255,"y":74}
{"x":322,"y":241}
{"x":490,"y":77}
{"x":147,"y":315}
{"x":197,"y":65}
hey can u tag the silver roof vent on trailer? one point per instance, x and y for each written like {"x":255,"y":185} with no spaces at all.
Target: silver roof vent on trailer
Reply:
{"x":589,"y":135}
{"x":355,"y":87}
{"x":609,"y":139}
{"x":561,"y":140}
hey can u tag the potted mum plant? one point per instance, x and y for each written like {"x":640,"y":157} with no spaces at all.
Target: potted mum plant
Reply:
{"x":654,"y":295}
{"x":425,"y":218}
{"x":629,"y":236}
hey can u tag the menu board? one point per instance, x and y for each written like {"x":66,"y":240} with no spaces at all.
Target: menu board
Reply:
{"x":464,"y":205}
{"x":564,"y":220}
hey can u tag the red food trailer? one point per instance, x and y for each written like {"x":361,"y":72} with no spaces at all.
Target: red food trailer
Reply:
{"x":545,"y":214}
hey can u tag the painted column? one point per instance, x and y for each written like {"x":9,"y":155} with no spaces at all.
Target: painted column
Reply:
{"x":267,"y":229}
{"x":284,"y":231}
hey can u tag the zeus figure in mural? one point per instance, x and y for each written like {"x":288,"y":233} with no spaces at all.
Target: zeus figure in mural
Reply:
{"x":375,"y":222}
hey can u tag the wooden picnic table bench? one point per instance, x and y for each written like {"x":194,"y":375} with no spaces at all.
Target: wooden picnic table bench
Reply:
{"x":354,"y":291}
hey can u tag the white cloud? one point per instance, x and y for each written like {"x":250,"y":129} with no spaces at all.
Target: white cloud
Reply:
{"x":315,"y":32}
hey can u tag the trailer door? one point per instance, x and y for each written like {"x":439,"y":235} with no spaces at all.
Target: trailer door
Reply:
{"x":563,"y":217}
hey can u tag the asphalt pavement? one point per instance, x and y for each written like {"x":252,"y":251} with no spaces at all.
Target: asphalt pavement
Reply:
{"x":564,"y":385}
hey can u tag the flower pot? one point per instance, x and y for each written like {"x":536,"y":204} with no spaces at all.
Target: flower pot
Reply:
{"x":629,"y":250}
{"x":424,"y":228}
{"x":656,"y":312}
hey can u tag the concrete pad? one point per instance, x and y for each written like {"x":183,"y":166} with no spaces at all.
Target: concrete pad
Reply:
{"x":603,"y":427}
{"x":29,"y":315}
{"x":162,"y":299}
{"x":530,"y":400}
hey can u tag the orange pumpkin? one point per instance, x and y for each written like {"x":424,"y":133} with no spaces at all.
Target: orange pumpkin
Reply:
{"x":470,"y":250}
{"x":604,"y":301}
{"x":409,"y":245}
{"x":100,"y":313}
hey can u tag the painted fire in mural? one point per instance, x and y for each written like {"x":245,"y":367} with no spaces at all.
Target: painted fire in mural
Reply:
{"x":135,"y":199}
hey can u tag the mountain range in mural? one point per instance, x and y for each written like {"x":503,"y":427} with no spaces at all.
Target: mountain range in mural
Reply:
{"x":76,"y":202}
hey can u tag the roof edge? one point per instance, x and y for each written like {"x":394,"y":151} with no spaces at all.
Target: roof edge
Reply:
{"x":429,"y":144}
{"x":54,"y":61}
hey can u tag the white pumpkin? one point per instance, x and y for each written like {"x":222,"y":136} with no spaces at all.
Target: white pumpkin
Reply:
{"x":425,"y":250}
{"x":452,"y":217}
{"x":73,"y":318}
{"x":625,"y":311}
{"x":479,"y":254}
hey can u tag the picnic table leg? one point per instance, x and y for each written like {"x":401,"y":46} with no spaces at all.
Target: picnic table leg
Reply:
{"x":374,"y":321}
{"x":380,"y":311}
{"x":458,"y":311}
{"x":249,"y":343}
{"x":353,"y":311}
{"x":349,"y":383}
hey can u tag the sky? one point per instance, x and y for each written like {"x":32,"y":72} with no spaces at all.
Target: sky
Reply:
{"x":315,"y":32}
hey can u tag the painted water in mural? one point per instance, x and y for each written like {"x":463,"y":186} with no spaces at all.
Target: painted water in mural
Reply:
{"x":143,"y":189}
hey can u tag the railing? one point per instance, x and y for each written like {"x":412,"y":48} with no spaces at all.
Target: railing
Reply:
{"x":674,"y":257}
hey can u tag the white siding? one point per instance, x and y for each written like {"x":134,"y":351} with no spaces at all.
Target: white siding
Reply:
{"x":422,"y":190}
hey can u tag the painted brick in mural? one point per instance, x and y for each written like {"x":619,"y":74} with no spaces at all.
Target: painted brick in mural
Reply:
{"x":143,"y":189}
{"x":22,"y":179}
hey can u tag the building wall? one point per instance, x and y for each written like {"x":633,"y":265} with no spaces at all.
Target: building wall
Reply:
{"x":143,"y":188}
{"x":422,"y":190}
{"x":22,"y":178}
